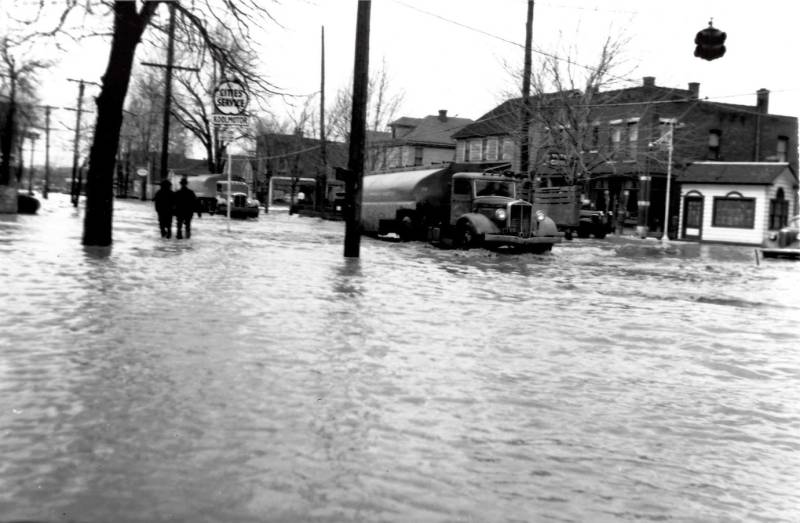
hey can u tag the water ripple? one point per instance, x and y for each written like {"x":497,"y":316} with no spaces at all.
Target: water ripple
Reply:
{"x":251,"y":373}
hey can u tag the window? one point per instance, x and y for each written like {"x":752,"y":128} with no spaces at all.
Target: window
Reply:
{"x":406,"y":160}
{"x":714,"y":136}
{"x":778,"y":211}
{"x":508,"y":149}
{"x":462,"y":186}
{"x":614,"y":137}
{"x":633,"y":139}
{"x":475,"y":150}
{"x":595,"y":137}
{"x":782,"y":148}
{"x":734,"y":211}
{"x":393,"y":157}
{"x":417,"y":155}
{"x":461,"y":151}
{"x":491,"y":149}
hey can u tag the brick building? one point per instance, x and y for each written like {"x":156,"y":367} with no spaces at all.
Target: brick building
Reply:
{"x":607,"y":147}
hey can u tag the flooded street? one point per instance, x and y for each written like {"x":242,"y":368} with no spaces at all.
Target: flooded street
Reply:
{"x":253,"y":373}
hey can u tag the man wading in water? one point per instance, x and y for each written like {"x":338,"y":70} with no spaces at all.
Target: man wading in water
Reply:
{"x":185,"y":207}
{"x":164,"y":200}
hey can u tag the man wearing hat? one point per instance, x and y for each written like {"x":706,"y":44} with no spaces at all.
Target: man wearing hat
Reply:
{"x":165,"y":202}
{"x":185,"y":206}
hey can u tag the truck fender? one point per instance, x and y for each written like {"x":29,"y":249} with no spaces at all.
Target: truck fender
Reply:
{"x":481,"y":223}
{"x":546,"y":227}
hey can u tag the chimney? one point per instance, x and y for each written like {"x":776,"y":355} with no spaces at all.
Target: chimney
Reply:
{"x":694,"y":90}
{"x":442,"y":115}
{"x":649,"y":81}
{"x":762,"y":101}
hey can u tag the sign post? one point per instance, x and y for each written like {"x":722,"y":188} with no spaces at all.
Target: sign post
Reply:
{"x":230,"y":101}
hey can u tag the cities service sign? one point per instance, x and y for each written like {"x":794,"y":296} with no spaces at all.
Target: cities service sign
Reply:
{"x":231,"y":98}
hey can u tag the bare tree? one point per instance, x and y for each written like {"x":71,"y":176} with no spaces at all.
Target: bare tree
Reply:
{"x":191,"y":103}
{"x":18,"y":87}
{"x":142,"y":123}
{"x":383,"y":103}
{"x":566,"y":99}
{"x":130,"y":20}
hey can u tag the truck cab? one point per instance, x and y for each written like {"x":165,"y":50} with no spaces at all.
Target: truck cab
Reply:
{"x":243,"y":205}
{"x":485,"y":211}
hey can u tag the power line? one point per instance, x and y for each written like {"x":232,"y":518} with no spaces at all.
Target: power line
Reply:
{"x":511,"y":42}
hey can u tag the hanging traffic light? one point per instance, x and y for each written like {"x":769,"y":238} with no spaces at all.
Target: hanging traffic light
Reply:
{"x":710,"y":43}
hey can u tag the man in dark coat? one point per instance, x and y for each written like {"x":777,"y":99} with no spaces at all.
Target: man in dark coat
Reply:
{"x":165,"y":202}
{"x":185,"y":206}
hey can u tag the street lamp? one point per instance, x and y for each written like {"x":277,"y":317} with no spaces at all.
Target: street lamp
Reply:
{"x":667,"y":141}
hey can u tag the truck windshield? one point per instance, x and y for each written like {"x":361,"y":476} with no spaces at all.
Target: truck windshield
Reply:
{"x":494,"y":188}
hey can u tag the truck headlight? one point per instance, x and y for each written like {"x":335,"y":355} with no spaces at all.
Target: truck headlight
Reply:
{"x":540,"y":215}
{"x":500,"y":214}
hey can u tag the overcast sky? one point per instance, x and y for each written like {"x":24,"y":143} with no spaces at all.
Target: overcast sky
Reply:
{"x":452,"y":54}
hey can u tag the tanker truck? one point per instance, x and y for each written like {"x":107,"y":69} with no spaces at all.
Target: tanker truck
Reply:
{"x":456,"y":209}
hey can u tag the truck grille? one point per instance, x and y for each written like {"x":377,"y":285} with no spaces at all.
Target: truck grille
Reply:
{"x":520,"y":219}
{"x":239,"y":200}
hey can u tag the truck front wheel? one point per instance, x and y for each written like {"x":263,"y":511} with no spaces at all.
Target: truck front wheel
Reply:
{"x":466,"y":236}
{"x":407,"y":228}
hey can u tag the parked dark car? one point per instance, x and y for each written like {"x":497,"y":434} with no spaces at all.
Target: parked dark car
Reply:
{"x":784,"y":243}
{"x":592,"y":222}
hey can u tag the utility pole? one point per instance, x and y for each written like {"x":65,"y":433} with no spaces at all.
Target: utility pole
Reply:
{"x":168,"y":92}
{"x":32,"y":136}
{"x":46,"y":187}
{"x":524,"y":146}
{"x":355,"y":166}
{"x":322,"y":179}
{"x":75,"y":190}
{"x":169,"y":66}
{"x":665,"y":236}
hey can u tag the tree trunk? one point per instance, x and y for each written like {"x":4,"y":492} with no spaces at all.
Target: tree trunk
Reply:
{"x":128,"y":28}
{"x":210,"y":158}
{"x":8,"y":134}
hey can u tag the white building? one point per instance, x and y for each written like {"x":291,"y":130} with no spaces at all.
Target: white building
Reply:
{"x":736,"y":202}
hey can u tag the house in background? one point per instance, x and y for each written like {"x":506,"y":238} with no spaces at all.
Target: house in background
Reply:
{"x":288,"y":164}
{"x":736,"y":202}
{"x":627,"y":176}
{"x":414,"y":142}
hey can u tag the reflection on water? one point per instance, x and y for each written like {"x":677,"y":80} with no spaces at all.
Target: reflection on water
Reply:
{"x":257,"y":375}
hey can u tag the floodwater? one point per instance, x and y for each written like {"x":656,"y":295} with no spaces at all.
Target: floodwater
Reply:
{"x":254,"y":374}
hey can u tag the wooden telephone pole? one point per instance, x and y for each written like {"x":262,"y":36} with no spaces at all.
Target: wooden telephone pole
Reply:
{"x":322,"y":178}
{"x":75,"y":191}
{"x":524,"y":146}
{"x":169,"y":66}
{"x":355,"y":165}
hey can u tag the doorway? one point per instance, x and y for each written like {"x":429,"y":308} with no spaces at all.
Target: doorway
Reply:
{"x":693,"y":217}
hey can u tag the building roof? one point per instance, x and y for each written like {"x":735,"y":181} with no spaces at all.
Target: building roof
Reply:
{"x":734,"y":173}
{"x":405,"y":121}
{"x":378,"y":136}
{"x":279,"y":145}
{"x":436,"y":130}
{"x":502,"y":120}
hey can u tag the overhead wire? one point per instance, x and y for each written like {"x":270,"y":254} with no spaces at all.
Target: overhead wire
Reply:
{"x":511,"y":42}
